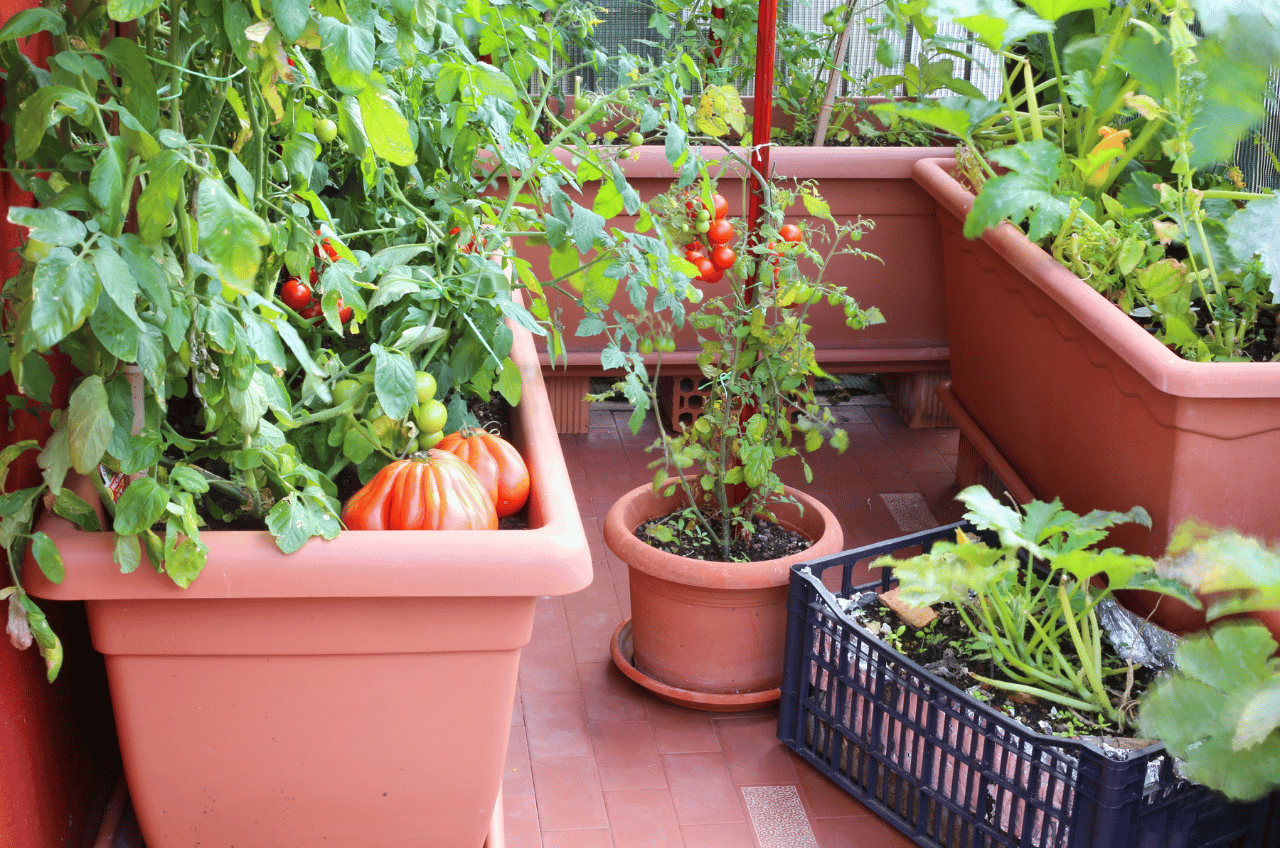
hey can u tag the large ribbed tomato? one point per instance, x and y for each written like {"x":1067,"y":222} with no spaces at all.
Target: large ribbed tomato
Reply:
{"x":496,"y":462}
{"x":435,"y":491}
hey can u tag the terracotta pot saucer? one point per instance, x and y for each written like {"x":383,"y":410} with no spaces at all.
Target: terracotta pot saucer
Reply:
{"x":621,"y":649}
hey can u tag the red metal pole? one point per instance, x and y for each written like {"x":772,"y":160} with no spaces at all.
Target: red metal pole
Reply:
{"x":762,"y":119}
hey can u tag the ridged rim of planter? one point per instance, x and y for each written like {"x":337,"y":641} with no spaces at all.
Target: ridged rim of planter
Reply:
{"x":1161,"y":367}
{"x":889,"y":163}
{"x":639,"y":505}
{"x":552,"y":554}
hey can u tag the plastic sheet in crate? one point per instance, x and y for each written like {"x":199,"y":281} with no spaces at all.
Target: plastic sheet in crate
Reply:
{"x":948,"y":770}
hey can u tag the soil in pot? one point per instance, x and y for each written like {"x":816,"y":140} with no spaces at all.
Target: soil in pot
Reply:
{"x":767,"y":540}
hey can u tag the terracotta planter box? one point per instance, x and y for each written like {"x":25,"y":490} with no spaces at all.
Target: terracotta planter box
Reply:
{"x":946,"y":769}
{"x":1085,"y":405}
{"x":357,"y":692}
{"x":873,"y":183}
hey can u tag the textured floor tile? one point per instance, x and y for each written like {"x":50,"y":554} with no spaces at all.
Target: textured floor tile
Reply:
{"x":910,"y":511}
{"x":556,"y":725}
{"x":590,"y":631}
{"x":626,"y":755}
{"x":520,"y":822}
{"x":643,"y":818}
{"x":821,"y":796}
{"x":608,"y":695}
{"x":547,"y":666}
{"x":548,"y":619}
{"x":678,"y":730}
{"x":753,"y":752}
{"x":568,"y":793}
{"x":858,"y":832}
{"x":516,"y":777}
{"x":577,"y":839}
{"x":778,"y":817}
{"x":718,"y":835}
{"x":701,"y":789}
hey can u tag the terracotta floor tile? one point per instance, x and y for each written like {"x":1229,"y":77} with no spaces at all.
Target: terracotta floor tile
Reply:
{"x":858,"y":832}
{"x":822,"y":798}
{"x":516,"y":777}
{"x":547,"y":667}
{"x":556,"y":725}
{"x":752,"y":750}
{"x":701,"y":789}
{"x":608,"y":695}
{"x":600,"y":593}
{"x":568,"y":794}
{"x":626,"y":755}
{"x":590,"y":631}
{"x":548,"y":619}
{"x":736,"y":835}
{"x":520,"y":822}
{"x":643,"y":818}
{"x":678,"y":730}
{"x":517,"y":707}
{"x":577,"y":839}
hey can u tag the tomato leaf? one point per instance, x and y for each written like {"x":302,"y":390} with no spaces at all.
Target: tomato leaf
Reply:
{"x":90,"y":424}
{"x":142,"y":504}
{"x":393,"y":381}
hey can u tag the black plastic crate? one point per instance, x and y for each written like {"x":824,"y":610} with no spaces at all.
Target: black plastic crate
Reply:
{"x":948,"y":770}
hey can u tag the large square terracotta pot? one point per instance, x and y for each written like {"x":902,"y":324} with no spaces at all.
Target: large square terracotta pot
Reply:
{"x":358,"y":692}
{"x":868,"y":182}
{"x":1085,"y":405}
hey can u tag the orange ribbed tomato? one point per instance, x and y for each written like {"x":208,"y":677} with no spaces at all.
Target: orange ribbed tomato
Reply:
{"x":496,"y":462}
{"x":435,"y":491}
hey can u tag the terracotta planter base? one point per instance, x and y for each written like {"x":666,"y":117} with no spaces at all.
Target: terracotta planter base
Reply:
{"x":621,"y":649}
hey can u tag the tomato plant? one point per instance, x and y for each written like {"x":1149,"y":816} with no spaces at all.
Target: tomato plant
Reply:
{"x":496,"y":462}
{"x":790,"y":233}
{"x":436,"y":492}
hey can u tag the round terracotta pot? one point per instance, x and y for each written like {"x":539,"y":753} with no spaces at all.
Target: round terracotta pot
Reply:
{"x":711,"y":627}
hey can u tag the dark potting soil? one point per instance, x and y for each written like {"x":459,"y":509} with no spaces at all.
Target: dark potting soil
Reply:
{"x":941,"y":649}
{"x":767,"y":540}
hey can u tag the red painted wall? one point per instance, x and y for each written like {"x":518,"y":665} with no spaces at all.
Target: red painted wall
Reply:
{"x":58,"y":753}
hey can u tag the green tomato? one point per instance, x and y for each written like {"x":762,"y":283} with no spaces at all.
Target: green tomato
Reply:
{"x":426,"y":441}
{"x":431,"y":416}
{"x":385,"y":429}
{"x":343,"y":391}
{"x":635,"y":139}
{"x":326,"y":131}
{"x":34,"y":250}
{"x":426,"y":387}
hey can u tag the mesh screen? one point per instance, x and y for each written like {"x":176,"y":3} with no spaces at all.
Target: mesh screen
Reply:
{"x":626,"y":26}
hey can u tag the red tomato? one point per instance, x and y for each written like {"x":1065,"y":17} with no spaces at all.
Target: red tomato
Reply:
{"x":344,"y":312}
{"x":720,"y":232}
{"x":295,"y":294}
{"x":694,"y":255}
{"x":437,"y":492}
{"x":315,"y":276}
{"x":789,"y":232}
{"x":723,"y":257}
{"x":719,"y":206}
{"x":706,"y":269}
{"x":496,"y":462}
{"x":328,"y":249}
{"x":312,"y":311}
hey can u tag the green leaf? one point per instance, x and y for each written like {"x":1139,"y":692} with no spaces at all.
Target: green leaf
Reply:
{"x":127,"y":553}
{"x":90,"y":424}
{"x":1251,"y":232}
{"x":348,"y":54}
{"x":231,"y":235}
{"x":957,"y":116}
{"x":393,"y":381}
{"x":1260,"y":717}
{"x":509,"y":384}
{"x":47,"y":557}
{"x":48,"y":225}
{"x":38,"y":113}
{"x":127,"y":10}
{"x":184,"y":556}
{"x":142,"y":504}
{"x":55,"y":459}
{"x":30,"y":21}
{"x":387,"y":129}
{"x":1051,"y":10}
{"x":1028,"y":187}
{"x":65,"y":293}
{"x":133,"y":65}
{"x":292,"y":17}
{"x":297,"y":518}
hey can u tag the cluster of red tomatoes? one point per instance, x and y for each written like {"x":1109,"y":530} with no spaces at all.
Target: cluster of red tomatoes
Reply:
{"x":716,"y":256}
{"x":303,"y":298}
